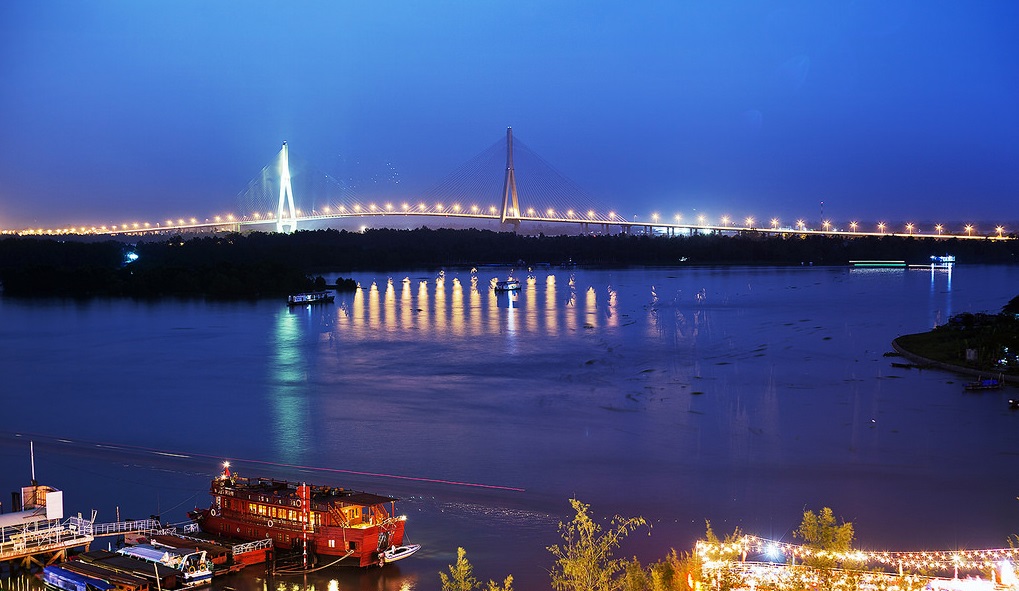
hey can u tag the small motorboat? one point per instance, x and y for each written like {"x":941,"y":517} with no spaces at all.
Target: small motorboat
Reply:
{"x":311,"y":297}
{"x":987,"y":384}
{"x":394,"y":553}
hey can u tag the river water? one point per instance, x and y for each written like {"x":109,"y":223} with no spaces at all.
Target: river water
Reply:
{"x":737,"y":395}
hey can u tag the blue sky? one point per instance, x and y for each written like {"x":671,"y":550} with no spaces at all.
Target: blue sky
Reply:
{"x":888,"y":110}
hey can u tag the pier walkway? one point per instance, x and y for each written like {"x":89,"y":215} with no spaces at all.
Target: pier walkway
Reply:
{"x":44,"y":542}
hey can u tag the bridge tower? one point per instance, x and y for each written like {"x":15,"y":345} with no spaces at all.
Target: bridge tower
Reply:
{"x":286,"y":220}
{"x":509,"y":186}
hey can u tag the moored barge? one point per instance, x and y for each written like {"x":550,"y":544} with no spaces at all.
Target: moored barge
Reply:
{"x":329,"y":524}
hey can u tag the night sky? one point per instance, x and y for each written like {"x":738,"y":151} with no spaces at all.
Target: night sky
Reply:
{"x":126,"y":110}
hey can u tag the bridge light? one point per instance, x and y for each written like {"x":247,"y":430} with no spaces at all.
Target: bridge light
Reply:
{"x":999,"y":230}
{"x":909,"y":228}
{"x":327,"y":209}
{"x":881,"y":227}
{"x":654,"y":217}
{"x":438,"y":207}
{"x":474,"y":209}
{"x":194,"y":221}
{"x":679,"y":218}
{"x":456,"y":207}
{"x":422,"y":206}
{"x":492,"y":209}
{"x":357,"y":207}
{"x":800,"y":224}
{"x":774,"y":222}
{"x":826,"y":224}
{"x":550,"y":212}
{"x":750,"y":221}
{"x":700,"y":219}
{"x":725,"y":220}
{"x":939,"y":228}
{"x":590,"y":214}
{"x":405,"y":206}
{"x":569,"y":212}
{"x":612,"y":215}
{"x":530,"y":211}
{"x":343,"y":208}
{"x":147,"y":225}
{"x":969,"y":229}
{"x":389,"y":207}
{"x":372,"y":207}
{"x":852,"y":226}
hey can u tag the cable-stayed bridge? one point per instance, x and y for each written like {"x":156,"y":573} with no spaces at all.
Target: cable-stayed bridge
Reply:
{"x":508,"y":186}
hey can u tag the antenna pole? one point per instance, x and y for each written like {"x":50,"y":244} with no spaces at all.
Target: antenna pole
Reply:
{"x":31,"y":451}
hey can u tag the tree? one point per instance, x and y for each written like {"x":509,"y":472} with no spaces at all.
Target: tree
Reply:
{"x":826,"y":540}
{"x":725,"y":552}
{"x":461,"y":575}
{"x":584,"y":561}
{"x":820,"y":532}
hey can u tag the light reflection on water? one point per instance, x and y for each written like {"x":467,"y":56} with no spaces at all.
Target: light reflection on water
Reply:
{"x":735,"y":395}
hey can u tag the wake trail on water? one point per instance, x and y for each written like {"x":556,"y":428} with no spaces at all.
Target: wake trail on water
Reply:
{"x":180,"y":455}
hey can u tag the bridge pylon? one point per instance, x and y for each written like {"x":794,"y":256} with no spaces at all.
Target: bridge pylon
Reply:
{"x":286,"y":213}
{"x":510,"y":204}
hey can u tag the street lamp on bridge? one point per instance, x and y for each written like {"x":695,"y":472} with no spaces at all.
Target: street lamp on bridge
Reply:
{"x":774,"y":223}
{"x":800,"y":225}
{"x":909,"y":228}
{"x":881,"y":227}
{"x":939,"y":228}
{"x":969,"y":229}
{"x":853,"y":226}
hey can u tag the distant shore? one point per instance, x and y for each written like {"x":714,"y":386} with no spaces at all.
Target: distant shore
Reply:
{"x":259,"y":265}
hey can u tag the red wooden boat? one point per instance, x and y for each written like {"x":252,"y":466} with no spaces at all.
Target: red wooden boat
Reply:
{"x":331,"y":525}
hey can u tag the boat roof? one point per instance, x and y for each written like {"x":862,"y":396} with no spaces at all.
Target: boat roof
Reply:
{"x":321,"y":494}
{"x":23,"y":517}
{"x":80,"y":579}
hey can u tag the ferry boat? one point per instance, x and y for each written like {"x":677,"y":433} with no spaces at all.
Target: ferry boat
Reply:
{"x":310,"y":297}
{"x":331,"y":525}
{"x":510,"y":285}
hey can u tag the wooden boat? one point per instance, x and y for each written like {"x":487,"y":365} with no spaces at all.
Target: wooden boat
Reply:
{"x":329,"y":525}
{"x":509,"y":285}
{"x":310,"y":297}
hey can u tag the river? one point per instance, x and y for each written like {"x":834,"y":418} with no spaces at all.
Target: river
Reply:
{"x":737,"y":395}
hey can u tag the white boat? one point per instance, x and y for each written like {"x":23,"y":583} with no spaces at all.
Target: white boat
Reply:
{"x":394,"y":553}
{"x":509,"y":285}
{"x":311,"y":297}
{"x":196,"y":566}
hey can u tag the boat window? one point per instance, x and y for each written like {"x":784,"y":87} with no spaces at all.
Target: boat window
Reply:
{"x":351,"y":545}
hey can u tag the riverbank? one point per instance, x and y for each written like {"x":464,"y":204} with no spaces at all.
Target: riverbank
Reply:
{"x":972,"y":344}
{"x":258,"y":265}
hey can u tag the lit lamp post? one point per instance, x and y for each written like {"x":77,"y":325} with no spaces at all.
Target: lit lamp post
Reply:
{"x":853,"y":226}
{"x":939,"y":228}
{"x":999,"y":230}
{"x":909,"y":228}
{"x":881,"y":227}
{"x":826,"y":225}
{"x":774,"y":223}
{"x":800,"y":224}
{"x":969,"y":229}
{"x":700,"y":220}
{"x":725,"y":221}
{"x":750,"y":222}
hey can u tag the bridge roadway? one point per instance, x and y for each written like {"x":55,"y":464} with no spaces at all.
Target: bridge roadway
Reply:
{"x":596,"y":225}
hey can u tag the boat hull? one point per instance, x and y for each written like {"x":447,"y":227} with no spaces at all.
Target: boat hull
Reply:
{"x":353,"y":546}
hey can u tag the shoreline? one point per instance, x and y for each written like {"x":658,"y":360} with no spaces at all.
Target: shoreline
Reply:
{"x":941,"y":365}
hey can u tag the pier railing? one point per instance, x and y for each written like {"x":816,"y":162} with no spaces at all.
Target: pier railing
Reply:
{"x":98,"y":530}
{"x":263,"y":544}
{"x":38,"y":537}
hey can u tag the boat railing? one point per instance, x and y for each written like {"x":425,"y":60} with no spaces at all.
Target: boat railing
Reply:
{"x":117,"y":527}
{"x":263,"y":544}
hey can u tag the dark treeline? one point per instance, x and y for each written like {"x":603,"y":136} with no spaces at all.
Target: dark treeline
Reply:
{"x":268,"y":265}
